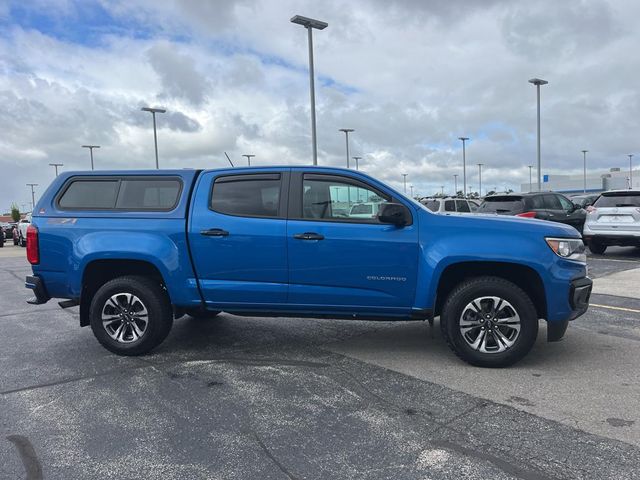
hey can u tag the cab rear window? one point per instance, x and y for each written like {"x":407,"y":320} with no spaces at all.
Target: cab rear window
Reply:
{"x":133,"y":194}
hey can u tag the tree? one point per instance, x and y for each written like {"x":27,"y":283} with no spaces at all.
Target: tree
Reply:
{"x":15,"y":213}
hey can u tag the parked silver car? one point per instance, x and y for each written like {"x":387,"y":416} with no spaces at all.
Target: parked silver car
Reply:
{"x":614,"y":219}
{"x":450,"y":204}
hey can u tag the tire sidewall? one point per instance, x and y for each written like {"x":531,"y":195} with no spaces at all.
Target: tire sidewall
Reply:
{"x":485,"y":288}
{"x":157,"y":315}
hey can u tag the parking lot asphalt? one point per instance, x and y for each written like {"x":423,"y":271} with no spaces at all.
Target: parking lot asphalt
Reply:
{"x":244,"y":398}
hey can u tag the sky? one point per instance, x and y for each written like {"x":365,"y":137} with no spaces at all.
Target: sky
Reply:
{"x":409,"y":77}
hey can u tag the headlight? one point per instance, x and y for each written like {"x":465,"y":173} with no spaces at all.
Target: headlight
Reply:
{"x":569,"y":248}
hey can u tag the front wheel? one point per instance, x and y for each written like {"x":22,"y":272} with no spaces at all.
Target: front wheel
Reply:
{"x":131,"y":315}
{"x":489,"y":322}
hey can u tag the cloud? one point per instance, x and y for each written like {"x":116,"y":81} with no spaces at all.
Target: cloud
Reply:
{"x":409,"y":76}
{"x":178,"y":74}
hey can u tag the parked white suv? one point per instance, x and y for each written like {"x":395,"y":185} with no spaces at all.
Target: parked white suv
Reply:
{"x":450,"y":205}
{"x":22,"y":230}
{"x":614,"y":219}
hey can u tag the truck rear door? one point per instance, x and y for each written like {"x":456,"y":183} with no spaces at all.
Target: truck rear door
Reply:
{"x":237,"y":234}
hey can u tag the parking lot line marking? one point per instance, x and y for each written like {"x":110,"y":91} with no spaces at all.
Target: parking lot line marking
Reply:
{"x":624,"y":309}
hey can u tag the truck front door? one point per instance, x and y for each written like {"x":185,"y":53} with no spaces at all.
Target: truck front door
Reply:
{"x":343,"y":261}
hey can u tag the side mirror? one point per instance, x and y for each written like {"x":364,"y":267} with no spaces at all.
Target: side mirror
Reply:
{"x":395,"y":214}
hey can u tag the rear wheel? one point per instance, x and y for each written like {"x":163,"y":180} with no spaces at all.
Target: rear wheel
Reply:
{"x":131,"y":315}
{"x":597,"y":247}
{"x":489,"y":322}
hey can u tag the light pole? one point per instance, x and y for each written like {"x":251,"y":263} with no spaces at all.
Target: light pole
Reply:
{"x":346,"y":135}
{"x":310,"y":24}
{"x":464,"y":165}
{"x":404,"y":178}
{"x":56,"y":165}
{"x":455,"y":184}
{"x":249,"y":156}
{"x":480,"y":178}
{"x":411,"y":187}
{"x":357,"y":159}
{"x":630,"y":155}
{"x":91,"y":147}
{"x":537,"y":82}
{"x":153,"y":112}
{"x":584,"y":174}
{"x":33,"y":196}
{"x":530,"y":184}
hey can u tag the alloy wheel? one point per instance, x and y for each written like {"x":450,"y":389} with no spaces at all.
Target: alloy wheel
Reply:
{"x":490,"y":324}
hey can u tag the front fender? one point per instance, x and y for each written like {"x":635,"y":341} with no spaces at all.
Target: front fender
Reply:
{"x":449,"y":240}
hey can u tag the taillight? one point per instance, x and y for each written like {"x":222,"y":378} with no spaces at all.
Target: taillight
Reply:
{"x":33,"y":251}
{"x":527,"y":214}
{"x":591,"y":209}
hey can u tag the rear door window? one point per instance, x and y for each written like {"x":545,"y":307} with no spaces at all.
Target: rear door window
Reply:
{"x":90,"y":194}
{"x":622,"y":199}
{"x":247,"y":195}
{"x":535,"y":202}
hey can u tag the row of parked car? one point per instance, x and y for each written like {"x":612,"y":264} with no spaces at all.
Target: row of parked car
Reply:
{"x":609,"y":218}
{"x":16,"y":231}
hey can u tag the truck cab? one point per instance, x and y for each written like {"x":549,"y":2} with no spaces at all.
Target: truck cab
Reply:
{"x":137,"y":249}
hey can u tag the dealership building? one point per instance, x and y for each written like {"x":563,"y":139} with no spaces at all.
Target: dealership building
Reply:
{"x":614,"y":179}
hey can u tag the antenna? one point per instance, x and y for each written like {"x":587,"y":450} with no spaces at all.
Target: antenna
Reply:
{"x":229,"y":160}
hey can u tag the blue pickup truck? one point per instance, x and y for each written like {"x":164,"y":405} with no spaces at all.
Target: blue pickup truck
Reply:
{"x":138,"y":249}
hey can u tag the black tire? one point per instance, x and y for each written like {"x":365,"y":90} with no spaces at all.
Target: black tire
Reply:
{"x":456,"y":305}
{"x":597,"y":247}
{"x":202,"y":314}
{"x":151,"y":296}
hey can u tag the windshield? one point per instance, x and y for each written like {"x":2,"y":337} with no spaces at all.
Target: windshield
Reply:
{"x":621,"y":199}
{"x":501,"y":204}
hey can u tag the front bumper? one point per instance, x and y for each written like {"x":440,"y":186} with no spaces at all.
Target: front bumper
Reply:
{"x":579,"y":294}
{"x":40,"y":292}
